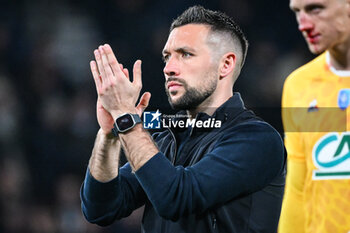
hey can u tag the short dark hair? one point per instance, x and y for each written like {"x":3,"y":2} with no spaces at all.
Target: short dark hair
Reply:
{"x":218,"y":21}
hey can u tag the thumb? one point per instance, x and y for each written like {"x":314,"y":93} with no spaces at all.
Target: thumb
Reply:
{"x":143,"y":103}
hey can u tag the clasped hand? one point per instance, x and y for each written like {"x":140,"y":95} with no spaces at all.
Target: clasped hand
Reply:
{"x":116,"y":93}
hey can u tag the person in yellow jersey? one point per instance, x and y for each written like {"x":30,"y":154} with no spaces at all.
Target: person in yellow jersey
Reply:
{"x":315,"y":106}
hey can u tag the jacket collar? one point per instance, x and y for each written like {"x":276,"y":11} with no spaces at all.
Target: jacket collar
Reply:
{"x":226,"y":112}
{"x":231,"y":108}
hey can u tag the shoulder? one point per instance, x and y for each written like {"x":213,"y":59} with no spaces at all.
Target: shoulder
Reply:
{"x":257,"y":129}
{"x":306,"y":72}
{"x":299,"y":82}
{"x":256,"y":141}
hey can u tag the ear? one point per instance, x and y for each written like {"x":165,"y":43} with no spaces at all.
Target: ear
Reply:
{"x":227,"y":65}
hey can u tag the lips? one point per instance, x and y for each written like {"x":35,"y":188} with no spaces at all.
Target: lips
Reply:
{"x":313,"y":38}
{"x":173,"y":84}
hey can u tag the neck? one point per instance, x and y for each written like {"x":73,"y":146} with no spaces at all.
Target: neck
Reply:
{"x":340,"y":57}
{"x":210,"y":105}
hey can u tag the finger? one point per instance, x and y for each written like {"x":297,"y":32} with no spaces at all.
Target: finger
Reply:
{"x":137,"y":73}
{"x":113,"y":62}
{"x":99,"y":64}
{"x":143,"y":104}
{"x":126,"y":72}
{"x":106,"y":65}
{"x":96,"y":75}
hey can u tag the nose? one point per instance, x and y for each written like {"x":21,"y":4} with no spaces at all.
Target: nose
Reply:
{"x":305,"y":22}
{"x":171,"y":67}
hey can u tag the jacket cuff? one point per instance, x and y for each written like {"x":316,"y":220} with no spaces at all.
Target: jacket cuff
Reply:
{"x":95,"y":190}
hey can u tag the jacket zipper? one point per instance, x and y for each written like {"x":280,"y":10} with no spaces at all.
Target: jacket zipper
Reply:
{"x":175,"y":149}
{"x":214,"y":221}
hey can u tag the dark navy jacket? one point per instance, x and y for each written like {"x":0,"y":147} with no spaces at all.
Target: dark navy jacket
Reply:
{"x":228,"y":179}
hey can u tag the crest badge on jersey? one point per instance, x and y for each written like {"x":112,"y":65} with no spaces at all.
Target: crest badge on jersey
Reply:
{"x":331,"y":156}
{"x":344,"y":98}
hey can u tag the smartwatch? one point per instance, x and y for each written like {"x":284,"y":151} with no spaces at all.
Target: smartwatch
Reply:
{"x":125,"y":122}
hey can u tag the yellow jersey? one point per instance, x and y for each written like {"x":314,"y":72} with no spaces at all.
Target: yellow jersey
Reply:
{"x":315,"y":104}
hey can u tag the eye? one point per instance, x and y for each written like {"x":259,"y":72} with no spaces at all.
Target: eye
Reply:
{"x":314,"y":9}
{"x":165,"y":58}
{"x":187,"y":54}
{"x":295,"y":10}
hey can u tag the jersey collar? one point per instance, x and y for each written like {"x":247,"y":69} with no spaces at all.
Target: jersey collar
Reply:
{"x":340,"y":73}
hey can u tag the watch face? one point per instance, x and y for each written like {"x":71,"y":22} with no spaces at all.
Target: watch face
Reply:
{"x":124,"y":122}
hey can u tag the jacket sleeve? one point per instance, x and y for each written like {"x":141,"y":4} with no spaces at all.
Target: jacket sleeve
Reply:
{"x":102,"y":203}
{"x":243,"y":161}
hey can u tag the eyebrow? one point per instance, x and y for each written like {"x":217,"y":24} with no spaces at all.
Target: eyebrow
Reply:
{"x":308,"y":6}
{"x":293,"y":8}
{"x":180,"y":50}
{"x":311,"y":6}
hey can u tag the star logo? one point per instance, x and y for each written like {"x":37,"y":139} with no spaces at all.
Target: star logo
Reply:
{"x":151,"y":120}
{"x":156,"y":115}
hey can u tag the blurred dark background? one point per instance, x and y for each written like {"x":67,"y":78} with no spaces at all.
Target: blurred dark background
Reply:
{"x":47,"y":94}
